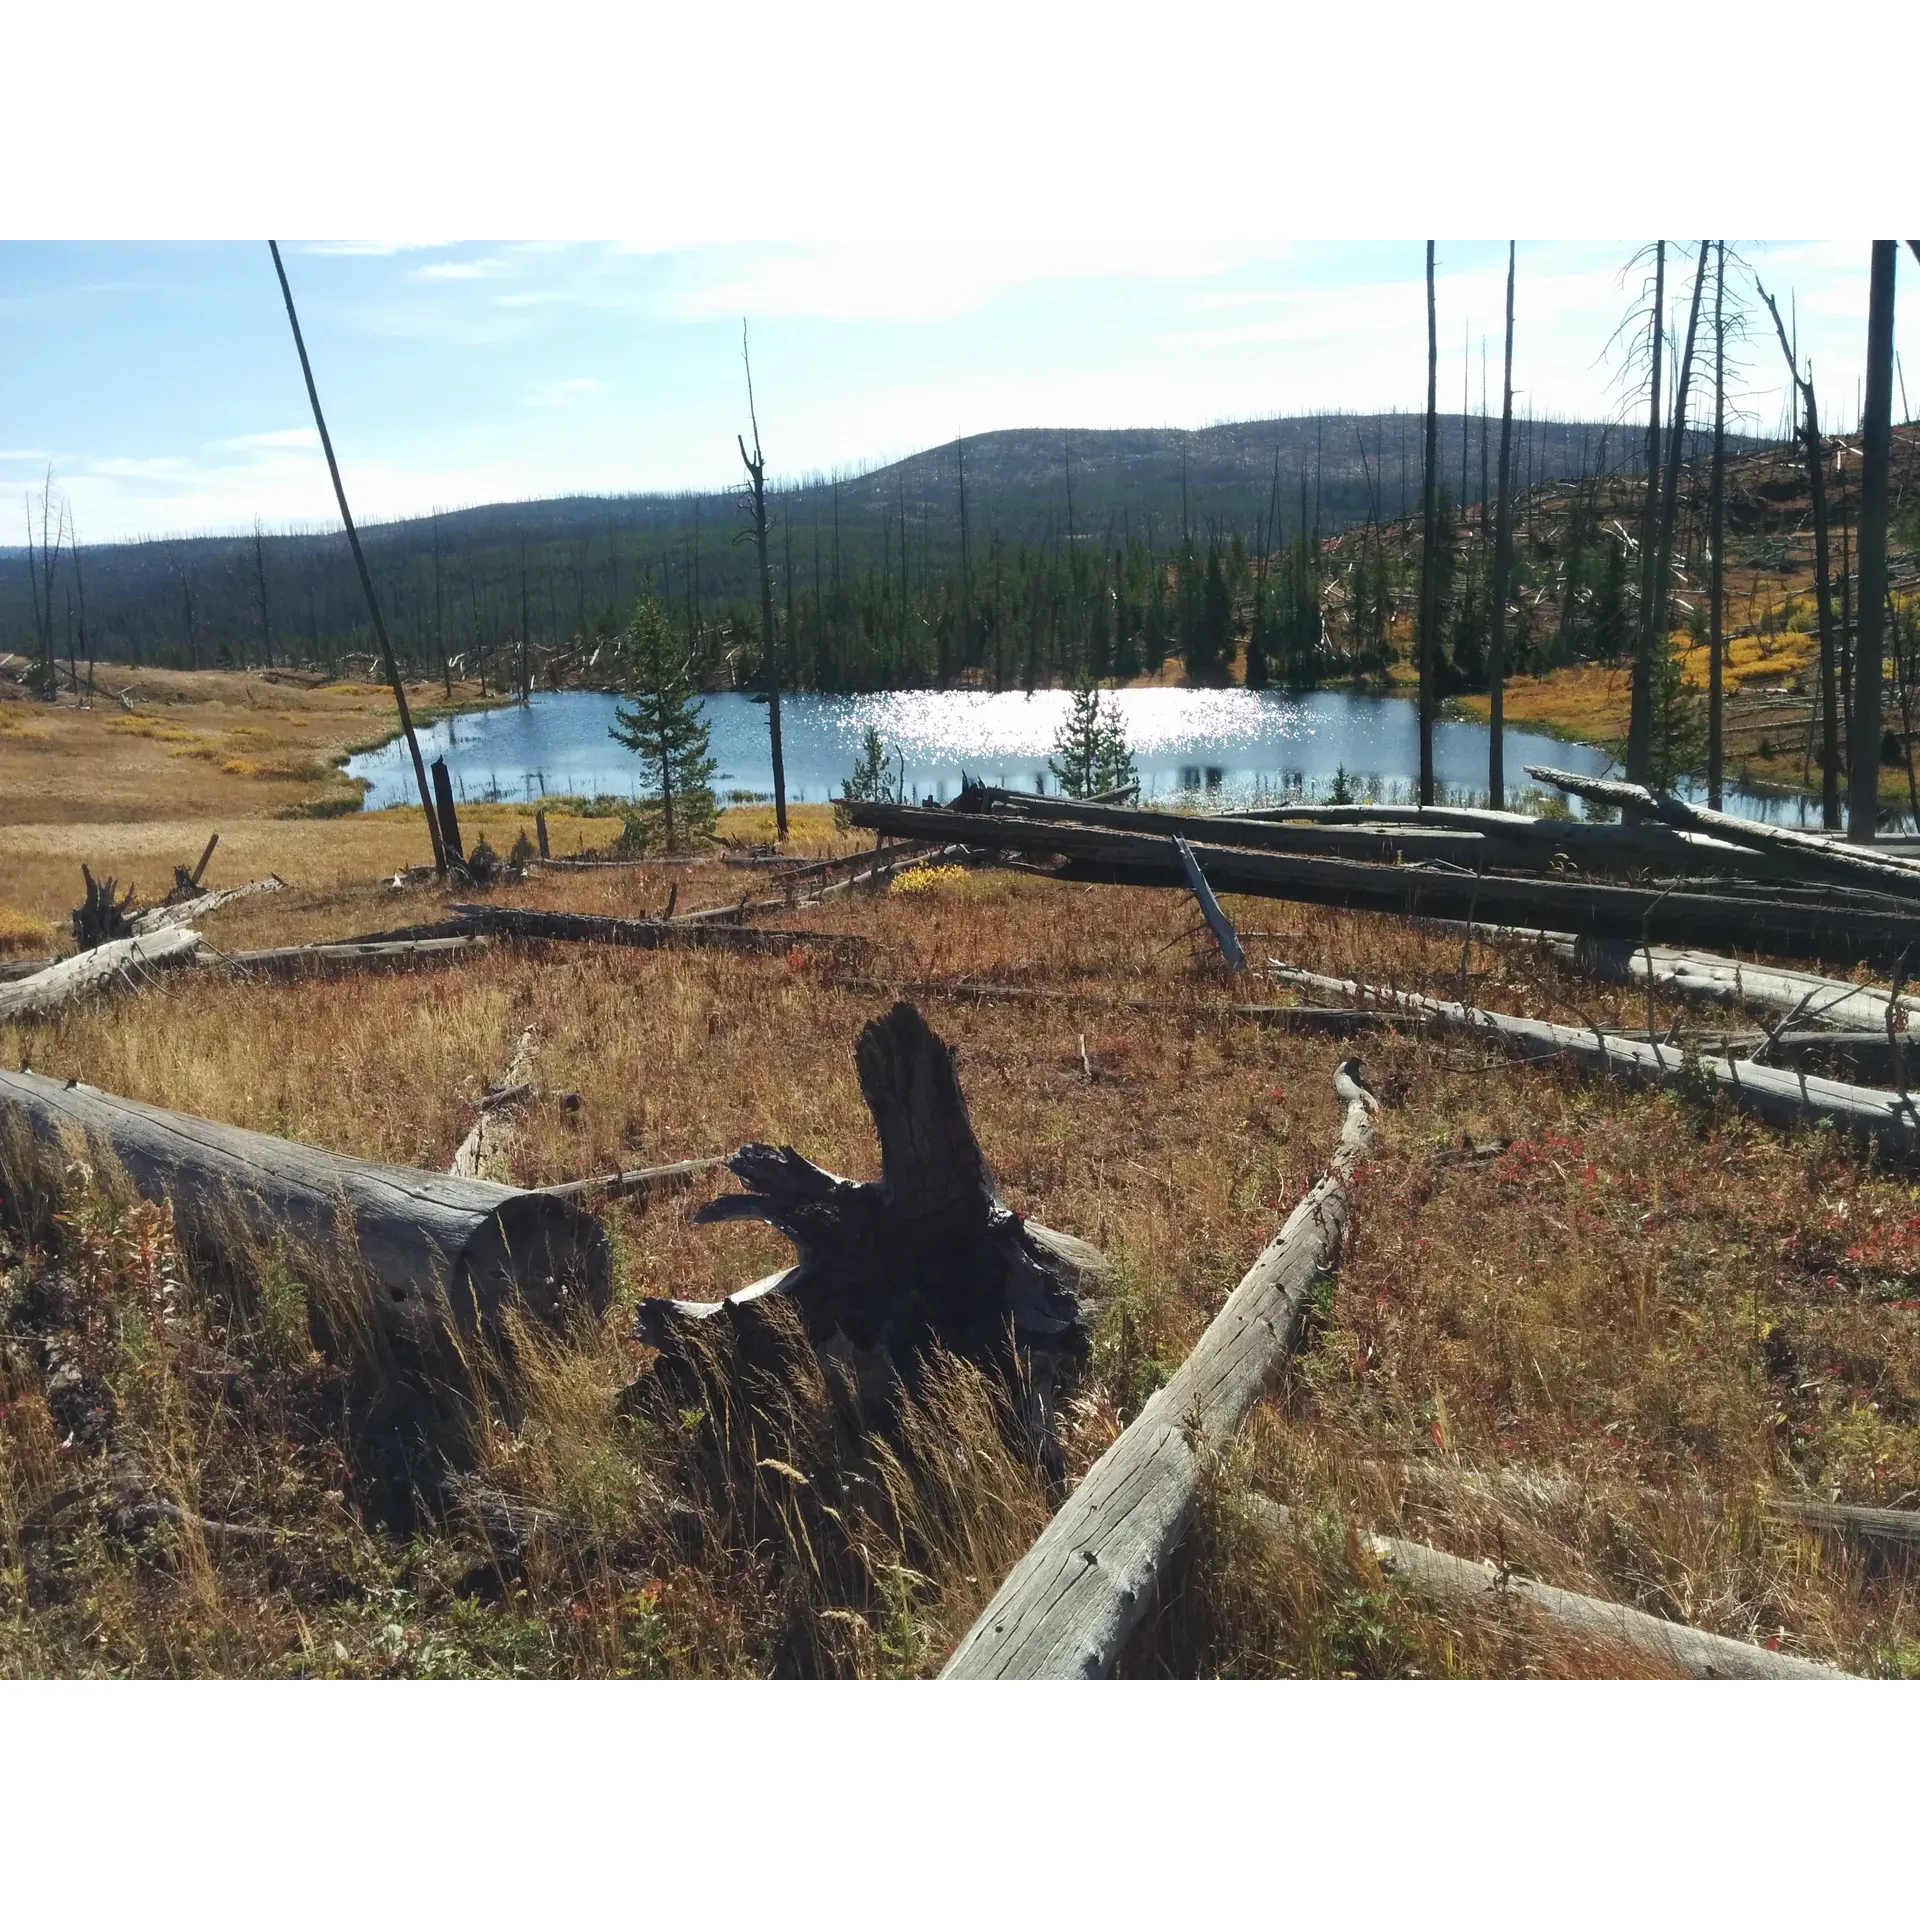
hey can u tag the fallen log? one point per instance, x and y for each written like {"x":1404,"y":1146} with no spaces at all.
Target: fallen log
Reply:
{"x":1780,"y":1098}
{"x":348,"y":956}
{"x":432,"y":1244}
{"x":1456,"y":1581}
{"x":1467,"y":836}
{"x":526,"y":923}
{"x":1067,"y":1609}
{"x":925,"y":1260}
{"x":1846,"y":862}
{"x":184,"y":912}
{"x":1103,"y":856}
{"x":678,"y":1173}
{"x":493,"y":1129}
{"x":46,"y":991}
{"x":1718,"y":981}
{"x":1290,"y":1019}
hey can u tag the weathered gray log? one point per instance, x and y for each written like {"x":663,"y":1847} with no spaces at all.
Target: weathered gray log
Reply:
{"x":185,"y":912}
{"x":1456,"y":1581}
{"x":1066,"y":1611}
{"x":349,"y":956}
{"x":678,"y":1173}
{"x":1103,"y":856}
{"x":1780,"y":1098}
{"x":431,"y":1243}
{"x":526,"y":923}
{"x":1222,"y":928}
{"x":45,"y":992}
{"x":493,"y":1130}
{"x":1848,"y":863}
{"x":1467,"y":836}
{"x":1288,"y":1019}
{"x":925,"y":1260}
{"x":1718,"y":981}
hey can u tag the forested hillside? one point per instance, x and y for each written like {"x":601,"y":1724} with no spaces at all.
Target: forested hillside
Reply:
{"x":999,"y":557}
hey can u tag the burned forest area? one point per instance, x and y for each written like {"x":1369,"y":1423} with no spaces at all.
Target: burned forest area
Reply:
{"x":1045,"y":1234}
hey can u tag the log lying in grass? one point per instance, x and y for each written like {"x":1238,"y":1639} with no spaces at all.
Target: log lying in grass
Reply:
{"x":1103,"y":856}
{"x":46,"y":991}
{"x":926,"y":1259}
{"x":1842,"y":862}
{"x":1780,"y":1098}
{"x":432,"y":1243}
{"x":1718,"y":981}
{"x":493,"y":1129}
{"x":1466,"y":836}
{"x":349,"y":956}
{"x":526,"y":923}
{"x":1342,"y":1020}
{"x":1067,"y":1609}
{"x":184,"y":912}
{"x":647,"y":1180}
{"x":1455,"y":1581}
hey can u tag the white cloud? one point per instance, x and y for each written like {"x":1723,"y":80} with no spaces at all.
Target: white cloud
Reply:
{"x":280,"y":437}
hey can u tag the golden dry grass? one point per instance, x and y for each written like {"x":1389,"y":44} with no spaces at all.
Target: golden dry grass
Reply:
{"x":1644,"y":1300}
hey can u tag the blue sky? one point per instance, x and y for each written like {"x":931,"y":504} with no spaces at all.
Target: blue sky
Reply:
{"x":160,"y":382}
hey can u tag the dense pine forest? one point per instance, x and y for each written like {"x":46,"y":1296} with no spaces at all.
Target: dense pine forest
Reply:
{"x":1009,"y":559}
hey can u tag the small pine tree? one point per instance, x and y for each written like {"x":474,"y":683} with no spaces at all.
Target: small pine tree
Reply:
{"x":1092,"y":746}
{"x":1607,"y":626}
{"x":1679,"y":741}
{"x":660,"y":722}
{"x":868,"y":779}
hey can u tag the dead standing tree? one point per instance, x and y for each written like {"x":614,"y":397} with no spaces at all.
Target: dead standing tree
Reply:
{"x":1640,"y":714}
{"x":756,"y":466}
{"x":1863,"y":786}
{"x":1429,"y":615}
{"x":1501,"y":582}
{"x":1717,"y":538}
{"x":1822,"y":583}
{"x":366,"y":578}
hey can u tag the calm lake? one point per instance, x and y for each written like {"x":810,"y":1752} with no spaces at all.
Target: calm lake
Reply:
{"x":1221,"y":746}
{"x":1218,"y":745}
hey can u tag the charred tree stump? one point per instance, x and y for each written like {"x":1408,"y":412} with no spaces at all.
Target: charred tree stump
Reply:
{"x":101,"y":917}
{"x":925,"y":1258}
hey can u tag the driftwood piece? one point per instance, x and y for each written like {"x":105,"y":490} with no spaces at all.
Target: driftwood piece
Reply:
{"x":1796,"y":928}
{"x":196,"y":906}
{"x":927,"y":1258}
{"x":1222,"y":928}
{"x":1449,"y":1578}
{"x":432,"y":1244}
{"x":1067,"y":1609}
{"x":1846,"y":862}
{"x":1780,"y":1098}
{"x":47,"y":990}
{"x":527,"y":923}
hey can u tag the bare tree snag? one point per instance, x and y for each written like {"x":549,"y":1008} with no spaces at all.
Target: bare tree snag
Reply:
{"x":1068,"y":1608}
{"x":47,"y":990}
{"x":1876,"y":434}
{"x":102,"y":916}
{"x":432,"y":1244}
{"x":927,"y":1257}
{"x":1448,"y":1578}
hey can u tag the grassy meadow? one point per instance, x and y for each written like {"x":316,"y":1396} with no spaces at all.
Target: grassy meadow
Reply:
{"x":1665,"y":1312}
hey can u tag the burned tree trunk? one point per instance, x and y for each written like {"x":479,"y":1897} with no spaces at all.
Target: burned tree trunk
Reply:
{"x":101,"y":916}
{"x":926,"y":1257}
